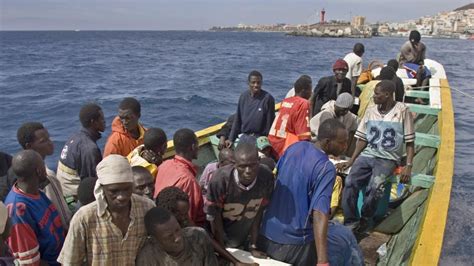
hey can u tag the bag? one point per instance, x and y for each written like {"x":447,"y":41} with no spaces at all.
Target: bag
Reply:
{"x":366,"y":75}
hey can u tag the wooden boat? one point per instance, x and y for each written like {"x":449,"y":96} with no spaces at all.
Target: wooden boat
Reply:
{"x":413,"y":232}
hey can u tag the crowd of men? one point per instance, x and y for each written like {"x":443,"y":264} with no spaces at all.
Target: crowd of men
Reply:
{"x":271,"y":192}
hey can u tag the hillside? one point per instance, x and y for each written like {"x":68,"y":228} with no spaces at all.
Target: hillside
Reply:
{"x":468,"y":6}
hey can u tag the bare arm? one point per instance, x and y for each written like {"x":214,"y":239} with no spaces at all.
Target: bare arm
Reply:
{"x":406,"y":173}
{"x":254,"y":235}
{"x":217,"y":228}
{"x":320,"y":230}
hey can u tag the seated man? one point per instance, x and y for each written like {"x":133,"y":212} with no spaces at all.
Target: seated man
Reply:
{"x":255,"y":112}
{"x":236,"y":198}
{"x":80,"y":155}
{"x":226,"y":157}
{"x":143,"y":183}
{"x":399,"y":87}
{"x":37,"y":234}
{"x":412,"y":57}
{"x":330,"y":87}
{"x":339,"y":110}
{"x":127,"y":132}
{"x":171,"y":245}
{"x":110,"y":230}
{"x":380,"y":138}
{"x":295,"y":224}
{"x":176,"y":201}
{"x":291,"y":123}
{"x":150,"y":154}
{"x":181,"y":172}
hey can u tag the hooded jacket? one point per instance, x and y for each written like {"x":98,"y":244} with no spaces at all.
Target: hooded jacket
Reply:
{"x":121,"y":141}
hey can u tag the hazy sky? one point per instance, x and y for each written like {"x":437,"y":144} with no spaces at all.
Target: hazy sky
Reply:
{"x":201,"y":14}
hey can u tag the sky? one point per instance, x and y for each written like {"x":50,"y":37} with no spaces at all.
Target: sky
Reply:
{"x":201,"y":14}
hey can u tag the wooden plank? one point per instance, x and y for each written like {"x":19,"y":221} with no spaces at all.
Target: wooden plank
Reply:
{"x":430,"y":240}
{"x":435,"y":93}
{"x":423,"y":109}
{"x":418,"y":94}
{"x":422,"y":180}
{"x":400,"y":216}
{"x":427,"y":140}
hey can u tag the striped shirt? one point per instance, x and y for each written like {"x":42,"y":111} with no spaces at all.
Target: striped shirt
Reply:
{"x":98,"y":241}
{"x":386,"y":133}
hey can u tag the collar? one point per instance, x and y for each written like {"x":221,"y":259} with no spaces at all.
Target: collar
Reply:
{"x":91,"y":134}
{"x":240,"y":185}
{"x":187,"y":163}
{"x":19,"y":191}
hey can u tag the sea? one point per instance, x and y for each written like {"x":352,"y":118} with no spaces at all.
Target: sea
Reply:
{"x":193,"y":79}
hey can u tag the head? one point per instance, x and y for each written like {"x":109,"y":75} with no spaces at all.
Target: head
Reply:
{"x":5,"y":224}
{"x":29,"y":167}
{"x":415,"y":37}
{"x":383,"y":92}
{"x":115,"y":179}
{"x":393,"y":63}
{"x":343,"y":104}
{"x":303,"y":86}
{"x":246,"y":163}
{"x":186,"y":143}
{"x":155,"y":140}
{"x":175,"y":201}
{"x":332,"y":137}
{"x":165,"y":229}
{"x":340,"y":69}
{"x":264,"y":146}
{"x":129,"y":112}
{"x":386,"y":73}
{"x":85,"y":191}
{"x":92,"y":117}
{"x":255,"y":80}
{"x":358,"y":49}
{"x":226,"y":157}
{"x":34,"y":136}
{"x":143,"y":183}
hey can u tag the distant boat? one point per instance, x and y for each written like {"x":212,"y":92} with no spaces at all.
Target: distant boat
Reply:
{"x":77,"y":30}
{"x":464,"y":37}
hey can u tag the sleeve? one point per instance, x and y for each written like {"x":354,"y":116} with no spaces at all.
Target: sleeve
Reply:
{"x":196,"y":204}
{"x":215,"y":196}
{"x":210,"y":258}
{"x":23,"y":242}
{"x":270,"y":115}
{"x":301,"y":119}
{"x":322,"y":188}
{"x":320,"y":95}
{"x":146,"y":256}
{"x":361,"y":132}
{"x":74,"y":249}
{"x":89,"y":160}
{"x":408,"y":127}
{"x":237,"y":125}
{"x":111,"y":146}
{"x":226,"y":128}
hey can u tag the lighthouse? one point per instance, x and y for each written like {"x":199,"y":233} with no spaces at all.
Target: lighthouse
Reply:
{"x":322,"y":17}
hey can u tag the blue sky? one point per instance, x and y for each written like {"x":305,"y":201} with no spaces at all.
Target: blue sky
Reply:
{"x":200,"y":14}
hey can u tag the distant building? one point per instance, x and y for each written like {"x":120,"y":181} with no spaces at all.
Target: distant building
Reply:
{"x":358,"y":22}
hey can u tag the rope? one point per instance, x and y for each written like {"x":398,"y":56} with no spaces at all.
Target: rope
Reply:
{"x":463,"y":93}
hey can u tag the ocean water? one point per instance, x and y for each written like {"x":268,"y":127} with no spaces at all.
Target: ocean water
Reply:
{"x":193,"y":80}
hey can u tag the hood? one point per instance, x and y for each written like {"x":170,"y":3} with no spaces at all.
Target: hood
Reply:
{"x":118,"y":127}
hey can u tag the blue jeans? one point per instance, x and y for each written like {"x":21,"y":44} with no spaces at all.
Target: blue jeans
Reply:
{"x":370,"y":172}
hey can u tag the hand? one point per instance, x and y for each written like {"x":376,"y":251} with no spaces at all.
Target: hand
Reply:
{"x":405,"y":176}
{"x":245,"y":264}
{"x":341,"y":167}
{"x":259,"y":254}
{"x":221,"y":143}
{"x":152,"y":157}
{"x":228,"y":144}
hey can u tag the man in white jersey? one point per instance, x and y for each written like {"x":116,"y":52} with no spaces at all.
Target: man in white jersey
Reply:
{"x":354,"y":61}
{"x":380,"y":137}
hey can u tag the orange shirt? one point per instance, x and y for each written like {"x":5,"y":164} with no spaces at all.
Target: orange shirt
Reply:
{"x":292,"y":119}
{"x":181,"y":173}
{"x":120,"y":141}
